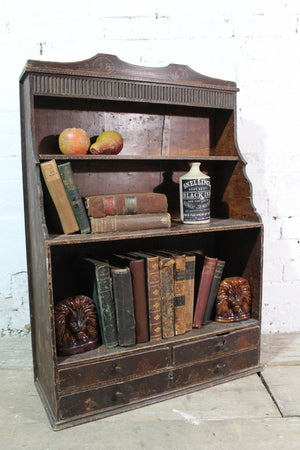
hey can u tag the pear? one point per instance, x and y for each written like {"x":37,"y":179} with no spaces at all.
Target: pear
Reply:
{"x":108,"y":143}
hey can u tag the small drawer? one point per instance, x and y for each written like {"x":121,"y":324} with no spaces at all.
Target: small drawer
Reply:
{"x":215,"y":368}
{"x":113,"y":370}
{"x":113,"y":397}
{"x":218,"y":345}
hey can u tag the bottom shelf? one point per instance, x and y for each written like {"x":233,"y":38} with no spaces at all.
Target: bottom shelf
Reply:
{"x":210,"y":329}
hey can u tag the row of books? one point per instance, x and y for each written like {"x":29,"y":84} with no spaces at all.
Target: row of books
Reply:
{"x":150,"y":296}
{"x":101,"y":213}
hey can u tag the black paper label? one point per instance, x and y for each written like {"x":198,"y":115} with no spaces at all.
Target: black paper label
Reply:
{"x":196,"y":199}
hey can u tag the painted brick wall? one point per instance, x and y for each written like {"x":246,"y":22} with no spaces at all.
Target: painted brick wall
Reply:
{"x":255,"y":43}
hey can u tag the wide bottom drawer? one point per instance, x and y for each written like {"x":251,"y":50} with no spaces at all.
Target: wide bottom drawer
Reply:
{"x":154,"y":386}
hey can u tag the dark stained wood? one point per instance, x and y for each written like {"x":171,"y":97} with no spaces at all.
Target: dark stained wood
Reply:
{"x":168,"y":118}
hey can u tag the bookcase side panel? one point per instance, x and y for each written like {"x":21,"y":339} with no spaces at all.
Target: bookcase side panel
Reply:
{"x":36,"y":232}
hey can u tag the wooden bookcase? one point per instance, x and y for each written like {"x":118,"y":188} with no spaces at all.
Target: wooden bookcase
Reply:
{"x":168,"y":117}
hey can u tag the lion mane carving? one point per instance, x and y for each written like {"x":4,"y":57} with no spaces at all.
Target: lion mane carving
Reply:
{"x":76,"y":325}
{"x":233,"y":300}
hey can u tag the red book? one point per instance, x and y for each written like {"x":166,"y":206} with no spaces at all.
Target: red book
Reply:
{"x":208,"y":271}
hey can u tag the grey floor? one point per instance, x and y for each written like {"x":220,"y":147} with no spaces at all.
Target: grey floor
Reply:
{"x":250,"y":413}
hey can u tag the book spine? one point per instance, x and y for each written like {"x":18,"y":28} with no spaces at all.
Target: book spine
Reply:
{"x":126,"y":204}
{"x":123,"y":295}
{"x":189,"y":291}
{"x":75,"y":199}
{"x":130,"y":223}
{"x":204,"y":288}
{"x":107,"y":315}
{"x":140,"y":300}
{"x":179,"y":296}
{"x":167,"y":296}
{"x":213,"y":290}
{"x":154,"y":298}
{"x":59,"y":196}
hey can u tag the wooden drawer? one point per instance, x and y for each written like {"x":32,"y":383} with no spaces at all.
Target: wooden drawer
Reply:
{"x":112,"y":371}
{"x":215,"y":368}
{"x":218,"y":345}
{"x":112,"y":397}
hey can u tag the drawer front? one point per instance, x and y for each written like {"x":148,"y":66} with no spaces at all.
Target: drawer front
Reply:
{"x":218,"y":345}
{"x":213,"y":369}
{"x":114,"y":370}
{"x":112,"y":396}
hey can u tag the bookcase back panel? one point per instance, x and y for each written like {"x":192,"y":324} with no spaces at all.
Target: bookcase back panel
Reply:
{"x":146,"y":129}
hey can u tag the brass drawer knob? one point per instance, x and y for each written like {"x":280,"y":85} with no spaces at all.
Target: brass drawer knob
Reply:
{"x":118,"y":369}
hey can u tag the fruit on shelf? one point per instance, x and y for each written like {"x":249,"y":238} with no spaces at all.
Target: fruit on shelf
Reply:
{"x":74,"y":141}
{"x":108,"y":143}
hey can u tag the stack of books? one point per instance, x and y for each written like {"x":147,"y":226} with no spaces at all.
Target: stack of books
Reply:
{"x":150,"y":296}
{"x":127,"y":212}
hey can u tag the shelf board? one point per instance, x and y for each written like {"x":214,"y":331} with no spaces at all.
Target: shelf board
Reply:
{"x":177,"y":228}
{"x":61,"y":157}
{"x":206,"y":331}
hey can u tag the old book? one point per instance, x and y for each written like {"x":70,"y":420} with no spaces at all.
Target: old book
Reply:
{"x":75,"y":199}
{"x":204,"y":288}
{"x":123,"y":296}
{"x":130,"y":223}
{"x":139,"y":286}
{"x":126,"y":204}
{"x":97,"y":274}
{"x":153,"y":293}
{"x":199,"y":262}
{"x":166,"y":268}
{"x":59,"y":196}
{"x":213,"y":290}
{"x":179,"y":289}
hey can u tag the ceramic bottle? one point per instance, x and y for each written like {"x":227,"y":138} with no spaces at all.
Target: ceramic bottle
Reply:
{"x":194,"y":191}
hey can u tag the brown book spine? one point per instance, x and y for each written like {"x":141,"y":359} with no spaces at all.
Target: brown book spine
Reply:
{"x":130,"y":223}
{"x":190,"y":262}
{"x":126,"y":204}
{"x":208,"y":271}
{"x":59,"y":196}
{"x":213,"y":291}
{"x":166,"y":266}
{"x":179,"y":298}
{"x":154,"y":298}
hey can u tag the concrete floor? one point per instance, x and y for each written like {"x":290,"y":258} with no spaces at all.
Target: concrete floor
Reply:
{"x":250,"y":413}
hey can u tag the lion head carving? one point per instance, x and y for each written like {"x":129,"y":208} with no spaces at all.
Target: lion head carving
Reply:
{"x":76,"y":325}
{"x":233,"y":300}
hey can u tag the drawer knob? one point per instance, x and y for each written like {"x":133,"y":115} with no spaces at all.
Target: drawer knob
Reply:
{"x":118,"y":369}
{"x":219,"y":369}
{"x":220,"y":345}
{"x":119,"y":395}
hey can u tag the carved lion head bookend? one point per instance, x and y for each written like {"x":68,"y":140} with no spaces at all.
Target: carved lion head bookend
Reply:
{"x":76,"y":325}
{"x":233,"y":300}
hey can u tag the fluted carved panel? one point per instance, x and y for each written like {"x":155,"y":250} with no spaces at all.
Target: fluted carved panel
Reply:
{"x":131,"y":91}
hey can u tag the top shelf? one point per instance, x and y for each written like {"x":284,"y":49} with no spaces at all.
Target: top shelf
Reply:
{"x":119,"y":157}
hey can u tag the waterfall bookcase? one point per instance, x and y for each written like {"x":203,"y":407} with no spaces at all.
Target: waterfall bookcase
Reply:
{"x":168,"y":117}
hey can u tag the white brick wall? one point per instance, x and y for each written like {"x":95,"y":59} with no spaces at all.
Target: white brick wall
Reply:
{"x":255,"y":43}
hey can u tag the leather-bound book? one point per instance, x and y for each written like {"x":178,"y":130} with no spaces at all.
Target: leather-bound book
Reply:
{"x":130,"y":222}
{"x":123,"y":296}
{"x":153,"y":293}
{"x":120,"y":204}
{"x":179,"y":289}
{"x":213,"y":291}
{"x":59,"y":197}
{"x":96,"y":276}
{"x":167,"y":268}
{"x":190,"y":263}
{"x":75,"y":199}
{"x":204,"y":288}
{"x":139,"y":286}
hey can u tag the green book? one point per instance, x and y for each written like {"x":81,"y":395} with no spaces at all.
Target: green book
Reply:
{"x":97,"y":274}
{"x":75,"y":199}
